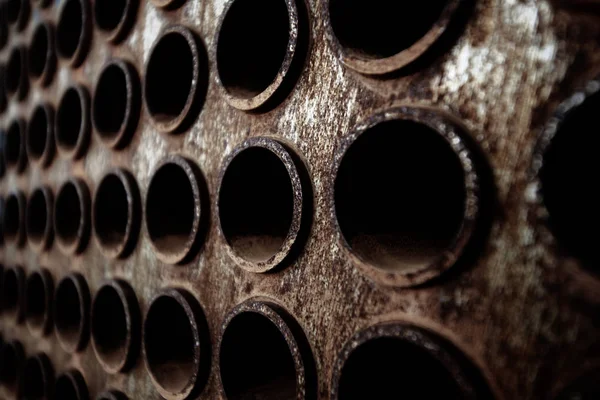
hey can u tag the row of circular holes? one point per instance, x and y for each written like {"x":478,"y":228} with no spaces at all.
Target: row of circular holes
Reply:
{"x":252,"y":74}
{"x":116,"y":216}
{"x":113,"y":17}
{"x":33,"y":378}
{"x":262,"y":350}
{"x":265,"y":229}
{"x":40,"y":60}
{"x":115,"y":116}
{"x":407,"y":238}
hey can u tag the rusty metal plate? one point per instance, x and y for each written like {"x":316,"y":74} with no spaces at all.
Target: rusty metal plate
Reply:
{"x":285,"y":200}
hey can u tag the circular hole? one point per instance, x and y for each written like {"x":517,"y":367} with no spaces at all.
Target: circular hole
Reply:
{"x":38,"y":377}
{"x":39,"y":217}
{"x":13,"y":219}
{"x":255,"y":360}
{"x":111,"y":211}
{"x":400,"y":196}
{"x":172,"y":210}
{"x":72,"y":122}
{"x":110,"y":328}
{"x":172,"y":89}
{"x":172,"y":343}
{"x":71,"y":312}
{"x":380,"y":28}
{"x":109,"y":13}
{"x":71,"y":386}
{"x":2,"y":216}
{"x":568,"y":166}
{"x":116,"y":103}
{"x":387,"y":367}
{"x":168,"y":84}
{"x":12,"y":363}
{"x":40,"y":135}
{"x":3,"y":96}
{"x":252,"y":44}
{"x":38,"y":51}
{"x":14,"y":69}
{"x":115,"y":321}
{"x":38,"y":296}
{"x":4,"y":32}
{"x":70,"y":219}
{"x":110,"y":101}
{"x":14,"y":145}
{"x":12,"y":290}
{"x":256,"y":204}
{"x":71,"y":34}
{"x":114,"y":209}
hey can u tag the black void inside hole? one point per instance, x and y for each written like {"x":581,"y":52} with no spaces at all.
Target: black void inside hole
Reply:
{"x":376,"y":29}
{"x":569,"y":166}
{"x":170,"y":344}
{"x":256,"y":203}
{"x":400,"y":196}
{"x":256,"y":361}
{"x":252,"y":45}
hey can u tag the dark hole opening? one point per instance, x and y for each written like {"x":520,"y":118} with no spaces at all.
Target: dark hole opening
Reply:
{"x":70,"y":28}
{"x":10,"y":367}
{"x":69,"y":120}
{"x":111,"y":211}
{"x":109,"y":13}
{"x":170,"y":344}
{"x":13,"y":144}
{"x":37,"y":137}
{"x":38,"y":51}
{"x":13,"y":9}
{"x":65,"y":389}
{"x":569,"y":166}
{"x":170,"y":208}
{"x":68,"y":214}
{"x":3,"y":97}
{"x":11,"y":292}
{"x":110,"y":101}
{"x":37,"y":216}
{"x":377,"y":29}
{"x":109,"y":325}
{"x":390,"y":368}
{"x":256,"y":204}
{"x":168,"y":83}
{"x":13,"y":71}
{"x":12,"y":218}
{"x":4,"y":33}
{"x":36,"y":309}
{"x":68,"y":311}
{"x":2,"y":217}
{"x":400,"y":196}
{"x":252,"y":45}
{"x":255,"y":360}
{"x":34,"y":381}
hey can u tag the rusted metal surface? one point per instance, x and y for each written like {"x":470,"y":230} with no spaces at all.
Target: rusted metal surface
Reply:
{"x":520,"y":309}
